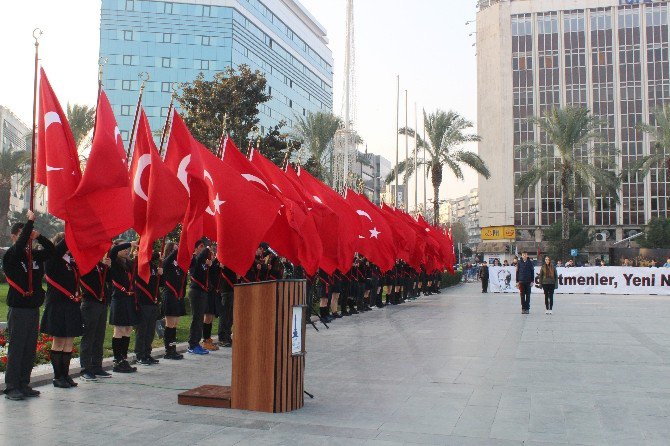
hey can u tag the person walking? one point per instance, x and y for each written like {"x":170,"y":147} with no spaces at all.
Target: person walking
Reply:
{"x":525,"y":274}
{"x":549,"y":282}
{"x":484,"y":276}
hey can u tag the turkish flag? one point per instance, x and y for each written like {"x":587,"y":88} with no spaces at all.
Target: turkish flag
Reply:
{"x":404,"y":235}
{"x":57,"y":162}
{"x":301,"y":222}
{"x":184,"y":161}
{"x":376,"y":235}
{"x":418,"y":255}
{"x":281,"y":236}
{"x":242,"y":212}
{"x":432,"y":244}
{"x":101,"y":207}
{"x":159,"y":198}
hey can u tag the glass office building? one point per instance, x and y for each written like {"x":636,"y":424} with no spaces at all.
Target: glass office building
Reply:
{"x":610,"y":56}
{"x":175,"y":41}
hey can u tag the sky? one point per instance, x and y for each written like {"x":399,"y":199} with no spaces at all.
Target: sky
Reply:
{"x":425,"y":42}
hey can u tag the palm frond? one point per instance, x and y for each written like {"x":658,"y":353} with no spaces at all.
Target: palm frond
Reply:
{"x":474,"y":161}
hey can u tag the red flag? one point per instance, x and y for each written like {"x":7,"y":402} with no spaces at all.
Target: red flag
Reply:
{"x":184,"y":161}
{"x":404,"y":234}
{"x":302,"y":223}
{"x":57,"y":161}
{"x":418,"y":255}
{"x":348,"y":225}
{"x":376,"y":234}
{"x":159,"y":198}
{"x":243,"y":213}
{"x":101,"y":207}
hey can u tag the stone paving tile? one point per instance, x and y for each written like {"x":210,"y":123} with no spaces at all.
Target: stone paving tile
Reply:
{"x":460,"y":368}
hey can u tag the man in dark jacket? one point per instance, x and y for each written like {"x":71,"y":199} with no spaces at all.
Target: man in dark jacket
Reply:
{"x":484,"y":276}
{"x":525,"y":275}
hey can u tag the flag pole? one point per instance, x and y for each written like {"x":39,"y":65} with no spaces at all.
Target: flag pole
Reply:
{"x":168,"y":125}
{"x":406,"y":176}
{"x":102,"y":61}
{"x":425,"y":167}
{"x":397,"y":143}
{"x":144,"y":76}
{"x":416,"y":172}
{"x":222,"y":141}
{"x":36,"y":35}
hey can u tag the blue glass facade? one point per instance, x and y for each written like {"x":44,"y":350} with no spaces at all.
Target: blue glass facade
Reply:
{"x":174,"y":41}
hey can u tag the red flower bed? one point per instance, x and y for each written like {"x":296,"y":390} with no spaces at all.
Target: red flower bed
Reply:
{"x":42,"y":350}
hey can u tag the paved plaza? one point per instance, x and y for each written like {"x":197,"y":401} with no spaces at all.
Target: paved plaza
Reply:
{"x":459,"y":368}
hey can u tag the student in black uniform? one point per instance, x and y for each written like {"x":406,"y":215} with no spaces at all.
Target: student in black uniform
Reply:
{"x":228,"y":281}
{"x":335,"y":288}
{"x":174,"y":279}
{"x":24,"y":270}
{"x":213,"y":295}
{"x":62,"y":312}
{"x":321,"y":284}
{"x":146,"y":295}
{"x":123,"y":312}
{"x":94,"y":315}
{"x":198,"y":294}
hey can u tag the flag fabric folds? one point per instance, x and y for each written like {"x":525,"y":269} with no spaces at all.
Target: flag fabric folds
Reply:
{"x":159,"y":198}
{"x":56,"y":162}
{"x":101,"y":207}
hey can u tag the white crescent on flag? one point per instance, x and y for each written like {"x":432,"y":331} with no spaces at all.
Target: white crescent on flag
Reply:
{"x":182,"y":174}
{"x":362,"y":213}
{"x":51,"y":169}
{"x":142,"y":163}
{"x":317,"y":199}
{"x":208,"y":176}
{"x":255,"y":179}
{"x":117,"y":134}
{"x":51,"y":118}
{"x":277,"y":187}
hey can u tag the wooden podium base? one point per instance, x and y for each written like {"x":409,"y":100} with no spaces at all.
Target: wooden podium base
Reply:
{"x":206,"y":396}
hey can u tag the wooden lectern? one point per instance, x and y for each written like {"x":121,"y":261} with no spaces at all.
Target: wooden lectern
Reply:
{"x":268,"y":350}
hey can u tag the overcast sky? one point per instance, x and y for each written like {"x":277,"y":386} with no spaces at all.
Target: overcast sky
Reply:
{"x":426,"y":42}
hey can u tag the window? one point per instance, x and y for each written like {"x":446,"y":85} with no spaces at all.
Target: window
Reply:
{"x":129,"y":60}
{"x":127,"y":35}
{"x":206,"y":11}
{"x":124,"y":135}
{"x":164,"y":111}
{"x":130,"y":5}
{"x":290,"y":84}
{"x":125,"y":110}
{"x":204,"y":65}
{"x":304,"y":112}
{"x":290,"y":103}
{"x":167,"y":38}
{"x":270,"y":91}
{"x":126,"y":85}
{"x":167,"y":8}
{"x":205,"y":40}
{"x":166,"y":87}
{"x":166,"y":62}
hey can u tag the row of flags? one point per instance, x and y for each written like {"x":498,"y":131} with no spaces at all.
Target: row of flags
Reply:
{"x":235,"y":200}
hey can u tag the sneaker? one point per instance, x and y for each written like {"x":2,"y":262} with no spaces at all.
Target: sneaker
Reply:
{"x":208,"y":344}
{"x":29,"y":392}
{"x":547,"y":312}
{"x":61,"y":383}
{"x":14,"y":395}
{"x":172,"y":354}
{"x":336,"y":316}
{"x":152,"y":360}
{"x":224,"y":344}
{"x":102,"y":374}
{"x":88,"y":376}
{"x":551,"y":311}
{"x":124,"y":367}
{"x":71,"y":381}
{"x":197,"y":350}
{"x":144,"y":361}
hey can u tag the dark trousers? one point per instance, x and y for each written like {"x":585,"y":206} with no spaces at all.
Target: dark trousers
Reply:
{"x":198,"y":300}
{"x":146,"y":330}
{"x":22,"y":325}
{"x":225,"y":308}
{"x":524,"y":291}
{"x":94,"y":316}
{"x":485,"y":285}
{"x":549,"y":296}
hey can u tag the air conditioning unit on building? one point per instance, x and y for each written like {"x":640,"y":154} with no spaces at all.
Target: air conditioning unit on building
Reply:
{"x":632,"y":232}
{"x":602,"y":236}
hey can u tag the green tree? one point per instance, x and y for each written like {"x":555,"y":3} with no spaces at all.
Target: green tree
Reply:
{"x":81,"y":119}
{"x":12,"y":162}
{"x":559,"y":246}
{"x":316,"y":132}
{"x":660,"y":148}
{"x":657,"y":234}
{"x":446,"y":132}
{"x":568,"y":131}
{"x":459,"y":232}
{"x":237,"y":93}
{"x":275,"y":145}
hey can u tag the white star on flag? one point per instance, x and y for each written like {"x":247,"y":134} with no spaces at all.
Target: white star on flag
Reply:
{"x":217,"y":204}
{"x":374,"y":233}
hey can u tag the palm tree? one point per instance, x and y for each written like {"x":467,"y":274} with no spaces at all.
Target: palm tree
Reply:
{"x":81,"y":119}
{"x":660,"y":134}
{"x":12,"y":163}
{"x":566,"y":130}
{"x":446,"y":132}
{"x":316,"y":132}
